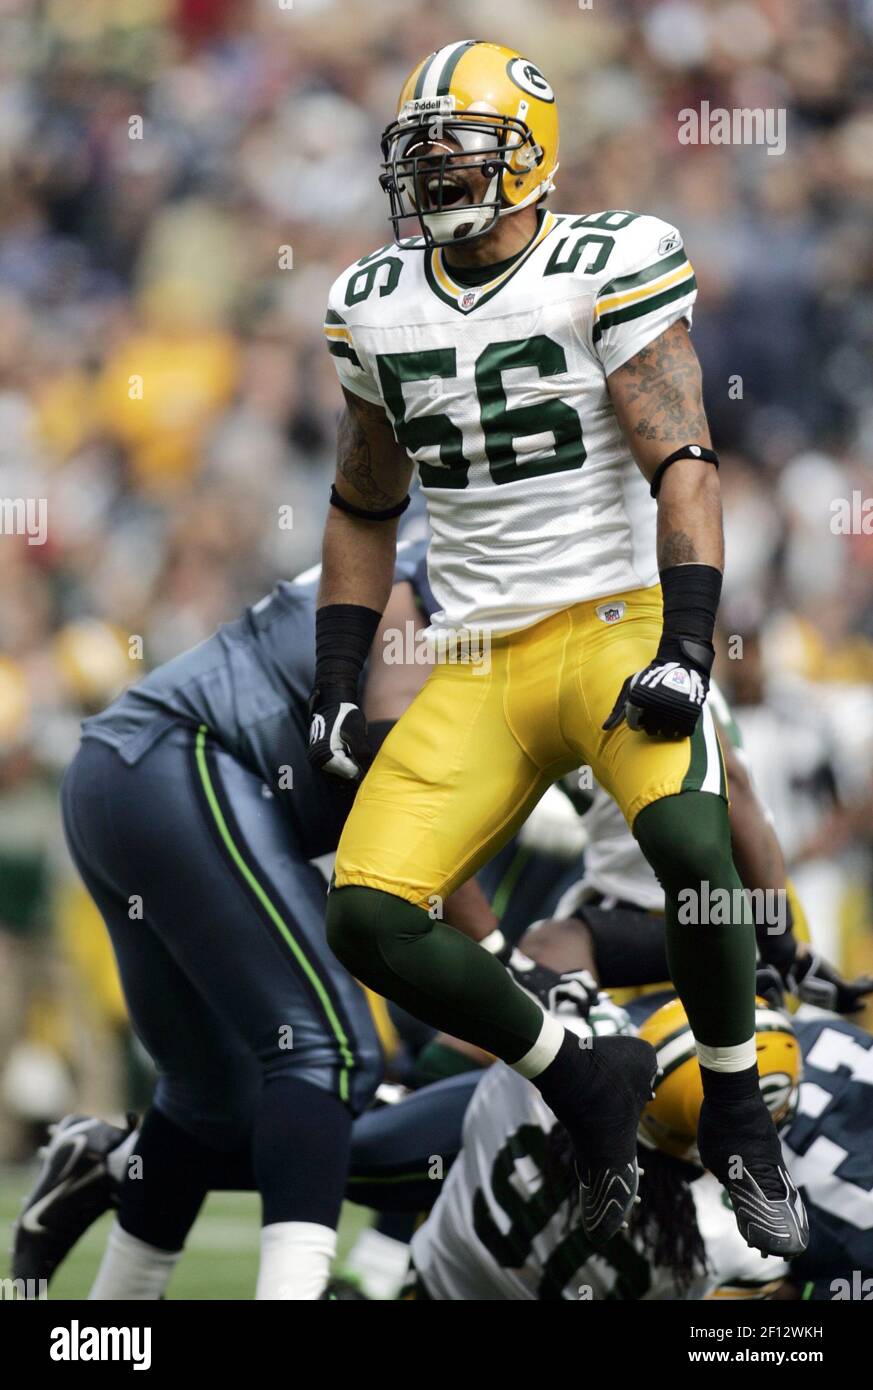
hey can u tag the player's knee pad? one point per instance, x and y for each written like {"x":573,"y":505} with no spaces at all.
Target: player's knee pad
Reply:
{"x":686,"y":839}
{"x":363,"y":927}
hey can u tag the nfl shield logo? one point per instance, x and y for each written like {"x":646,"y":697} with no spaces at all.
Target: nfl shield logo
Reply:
{"x":610,"y":612}
{"x":468,"y":299}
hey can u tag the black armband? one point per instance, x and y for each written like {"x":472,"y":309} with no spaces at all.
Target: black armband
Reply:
{"x":688,"y":451}
{"x":337,"y":500}
{"x":344,"y":633}
{"x":691,"y":595}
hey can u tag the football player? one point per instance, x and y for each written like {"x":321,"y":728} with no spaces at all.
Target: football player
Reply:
{"x":191,"y":812}
{"x":536,"y":369}
{"x":615,"y":909}
{"x":504,"y":1225}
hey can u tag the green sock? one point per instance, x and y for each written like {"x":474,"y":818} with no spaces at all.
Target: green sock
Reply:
{"x":686,"y":839}
{"x":439,"y":975}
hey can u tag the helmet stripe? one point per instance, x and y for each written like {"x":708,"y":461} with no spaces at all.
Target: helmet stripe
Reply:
{"x":425,"y":69}
{"x":430,"y":79}
{"x":449,"y":66}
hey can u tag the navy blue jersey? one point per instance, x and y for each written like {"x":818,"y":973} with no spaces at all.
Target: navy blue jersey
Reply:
{"x":829,"y":1147}
{"x":249,"y":684}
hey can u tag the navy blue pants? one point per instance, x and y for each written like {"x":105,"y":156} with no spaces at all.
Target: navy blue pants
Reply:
{"x":394,"y":1147}
{"x":217,"y":923}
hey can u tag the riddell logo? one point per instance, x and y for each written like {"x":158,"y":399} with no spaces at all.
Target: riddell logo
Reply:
{"x":610,"y":612}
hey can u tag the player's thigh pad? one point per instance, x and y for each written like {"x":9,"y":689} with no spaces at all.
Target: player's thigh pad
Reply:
{"x":449,"y":785}
{"x":611,"y":640}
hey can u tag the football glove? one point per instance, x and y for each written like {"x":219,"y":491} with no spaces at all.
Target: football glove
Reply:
{"x":770,"y":985}
{"x":815,"y":981}
{"x":664,"y":700}
{"x":572,"y":992}
{"x":338,"y":734}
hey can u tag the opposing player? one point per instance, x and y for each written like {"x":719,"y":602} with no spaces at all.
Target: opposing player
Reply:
{"x":505,"y":1225}
{"x":537,"y":370}
{"x":191,"y":812}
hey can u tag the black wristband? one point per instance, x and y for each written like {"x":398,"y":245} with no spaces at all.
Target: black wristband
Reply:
{"x":344,"y":633}
{"x":691,"y":595}
{"x":688,"y":451}
{"x":779,"y":950}
{"x":337,"y":500}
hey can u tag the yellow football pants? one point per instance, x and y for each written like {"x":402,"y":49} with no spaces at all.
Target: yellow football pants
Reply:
{"x":476,"y":749}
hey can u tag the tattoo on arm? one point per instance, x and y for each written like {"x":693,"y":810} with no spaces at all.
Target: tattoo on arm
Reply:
{"x":661,"y":386}
{"x":676,"y":548}
{"x":358,"y":422}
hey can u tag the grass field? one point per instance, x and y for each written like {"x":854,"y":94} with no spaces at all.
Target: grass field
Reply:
{"x":220,"y":1261}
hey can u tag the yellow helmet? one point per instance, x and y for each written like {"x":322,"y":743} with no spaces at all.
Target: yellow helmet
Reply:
{"x":469,"y":99}
{"x":669,"y":1122}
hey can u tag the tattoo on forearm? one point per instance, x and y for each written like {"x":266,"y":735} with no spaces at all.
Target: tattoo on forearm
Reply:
{"x":354,"y":457}
{"x":676,"y":548}
{"x":663,"y":379}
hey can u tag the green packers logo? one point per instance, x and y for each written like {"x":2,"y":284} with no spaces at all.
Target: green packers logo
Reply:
{"x":528,"y":77}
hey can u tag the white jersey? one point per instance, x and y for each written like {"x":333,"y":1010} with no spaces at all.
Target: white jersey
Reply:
{"x":499,"y":1230}
{"x":615,"y":866}
{"x":499,"y":394}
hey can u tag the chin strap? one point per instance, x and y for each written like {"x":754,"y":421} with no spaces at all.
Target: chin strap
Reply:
{"x":541,"y":190}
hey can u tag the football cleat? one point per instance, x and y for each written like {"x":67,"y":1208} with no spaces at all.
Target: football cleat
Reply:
{"x":73,"y":1188}
{"x":606,"y":1159}
{"x":740,"y":1146}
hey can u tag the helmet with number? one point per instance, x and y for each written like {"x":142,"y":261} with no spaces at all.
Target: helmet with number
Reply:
{"x":469,"y":106}
{"x":669,"y":1122}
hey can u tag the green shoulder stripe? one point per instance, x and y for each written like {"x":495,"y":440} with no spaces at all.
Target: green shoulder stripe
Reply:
{"x":645,"y":306}
{"x":642,"y":277}
{"x":339,"y":349}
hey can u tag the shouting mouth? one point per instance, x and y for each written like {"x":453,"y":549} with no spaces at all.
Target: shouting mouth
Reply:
{"x":445,"y":193}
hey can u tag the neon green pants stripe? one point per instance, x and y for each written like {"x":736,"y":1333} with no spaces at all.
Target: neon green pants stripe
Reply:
{"x":348,"y":1059}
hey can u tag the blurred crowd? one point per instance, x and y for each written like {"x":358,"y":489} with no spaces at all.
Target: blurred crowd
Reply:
{"x":181,"y":180}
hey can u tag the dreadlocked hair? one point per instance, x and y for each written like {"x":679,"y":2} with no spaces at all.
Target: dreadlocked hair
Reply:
{"x":664,"y":1221}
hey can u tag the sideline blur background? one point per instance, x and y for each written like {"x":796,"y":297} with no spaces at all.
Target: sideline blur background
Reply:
{"x":158,"y":158}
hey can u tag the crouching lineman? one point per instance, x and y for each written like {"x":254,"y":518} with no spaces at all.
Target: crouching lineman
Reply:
{"x":191,"y":812}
